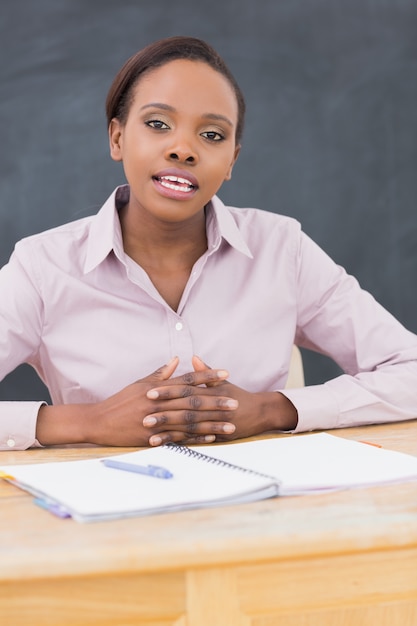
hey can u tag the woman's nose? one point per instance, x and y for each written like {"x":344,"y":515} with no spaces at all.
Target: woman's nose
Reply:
{"x":178,"y":156}
{"x":182,"y":151}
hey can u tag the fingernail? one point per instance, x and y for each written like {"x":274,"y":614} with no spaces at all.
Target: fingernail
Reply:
{"x":210,"y":438}
{"x":155,"y":441}
{"x":222,"y":374}
{"x":149,"y":421}
{"x":232,"y":404}
{"x":152,"y":394}
{"x":229,"y":428}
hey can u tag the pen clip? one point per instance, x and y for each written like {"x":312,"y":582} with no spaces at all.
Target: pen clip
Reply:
{"x":159,"y":472}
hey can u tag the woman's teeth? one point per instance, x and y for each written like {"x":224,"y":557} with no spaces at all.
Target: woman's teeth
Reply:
{"x":176,"y":183}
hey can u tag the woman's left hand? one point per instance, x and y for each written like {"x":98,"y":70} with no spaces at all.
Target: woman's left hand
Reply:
{"x":256,"y":412}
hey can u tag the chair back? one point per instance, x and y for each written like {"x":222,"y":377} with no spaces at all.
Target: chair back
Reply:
{"x":296,"y":372}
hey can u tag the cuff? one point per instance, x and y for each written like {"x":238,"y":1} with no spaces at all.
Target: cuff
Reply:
{"x":317,"y":407}
{"x":18,"y":425}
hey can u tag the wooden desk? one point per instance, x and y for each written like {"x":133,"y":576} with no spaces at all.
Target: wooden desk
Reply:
{"x":341,"y":559}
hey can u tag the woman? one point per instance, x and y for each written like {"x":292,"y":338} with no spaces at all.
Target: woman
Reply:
{"x":165,"y":272}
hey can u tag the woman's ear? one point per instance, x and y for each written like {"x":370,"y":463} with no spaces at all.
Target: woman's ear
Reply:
{"x":236,"y":154}
{"x":115,"y":139}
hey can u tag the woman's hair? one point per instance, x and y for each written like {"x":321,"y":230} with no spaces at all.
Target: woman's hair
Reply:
{"x":120,"y":95}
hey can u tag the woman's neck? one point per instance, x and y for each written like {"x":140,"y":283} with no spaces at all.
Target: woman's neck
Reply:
{"x":150,"y":241}
{"x":166,"y":251}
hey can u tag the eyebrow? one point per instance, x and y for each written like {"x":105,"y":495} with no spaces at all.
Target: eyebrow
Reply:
{"x":216,"y":117}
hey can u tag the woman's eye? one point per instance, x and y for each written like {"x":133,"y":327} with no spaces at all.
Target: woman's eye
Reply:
{"x":158,"y":124}
{"x":212,"y":135}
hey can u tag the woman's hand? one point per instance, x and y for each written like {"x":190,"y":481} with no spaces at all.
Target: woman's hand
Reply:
{"x":127,"y":417}
{"x":255,"y":413}
{"x":137,"y":417}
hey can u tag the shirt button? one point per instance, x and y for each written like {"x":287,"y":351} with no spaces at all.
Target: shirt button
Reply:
{"x":178,"y":326}
{"x":11,"y":443}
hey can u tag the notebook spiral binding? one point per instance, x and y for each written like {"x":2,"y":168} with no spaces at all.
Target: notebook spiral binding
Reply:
{"x":185,"y":450}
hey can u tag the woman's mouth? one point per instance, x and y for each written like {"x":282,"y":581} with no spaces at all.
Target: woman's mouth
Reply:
{"x":176,"y":183}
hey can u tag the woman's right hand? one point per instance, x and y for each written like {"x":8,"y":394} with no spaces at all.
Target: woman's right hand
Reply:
{"x":118,"y":420}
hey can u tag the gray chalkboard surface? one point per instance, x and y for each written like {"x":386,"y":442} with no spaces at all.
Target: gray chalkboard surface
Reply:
{"x":331,"y":135}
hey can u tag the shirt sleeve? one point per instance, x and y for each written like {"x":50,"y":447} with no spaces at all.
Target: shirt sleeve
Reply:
{"x":18,"y":425}
{"x":20,"y":331}
{"x":376,"y":353}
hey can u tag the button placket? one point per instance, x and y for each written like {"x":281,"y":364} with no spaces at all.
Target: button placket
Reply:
{"x":181,"y":341}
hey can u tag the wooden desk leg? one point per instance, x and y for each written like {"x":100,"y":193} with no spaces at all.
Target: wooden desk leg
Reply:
{"x":211,"y":593}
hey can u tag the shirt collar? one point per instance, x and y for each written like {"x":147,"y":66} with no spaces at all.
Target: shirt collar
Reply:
{"x":222,"y":225}
{"x":106,"y":236}
{"x":105,"y":233}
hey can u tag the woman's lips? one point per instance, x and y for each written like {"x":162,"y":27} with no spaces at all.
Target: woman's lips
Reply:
{"x":175,"y":184}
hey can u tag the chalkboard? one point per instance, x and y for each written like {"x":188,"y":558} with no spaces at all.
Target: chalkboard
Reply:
{"x":331,"y":134}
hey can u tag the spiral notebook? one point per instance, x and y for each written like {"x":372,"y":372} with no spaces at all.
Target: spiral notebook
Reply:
{"x":88,"y":490}
{"x":207,"y":476}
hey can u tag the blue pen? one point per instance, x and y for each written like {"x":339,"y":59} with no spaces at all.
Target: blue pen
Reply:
{"x":148,"y":470}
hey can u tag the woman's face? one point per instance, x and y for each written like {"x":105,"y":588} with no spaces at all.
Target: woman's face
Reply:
{"x":178,"y":143}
